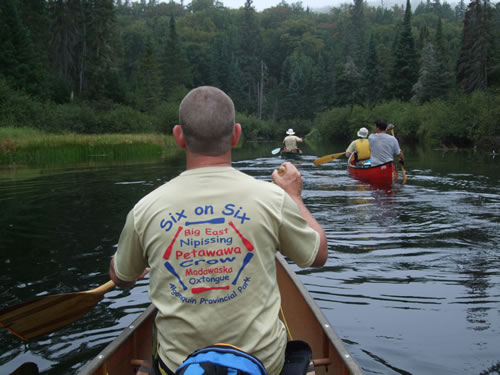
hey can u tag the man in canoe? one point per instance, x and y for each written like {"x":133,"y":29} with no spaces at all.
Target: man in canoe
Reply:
{"x":361,"y":146}
{"x":383,"y":146}
{"x":209,"y":237}
{"x":290,"y":142}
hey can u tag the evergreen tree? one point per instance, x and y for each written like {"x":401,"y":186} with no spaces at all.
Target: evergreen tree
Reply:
{"x":296,"y":84}
{"x":238,"y":85}
{"x":100,"y":64}
{"x":357,"y":20}
{"x":405,"y":67}
{"x":175,"y":69}
{"x":18,"y":59}
{"x":347,"y":84}
{"x":477,"y":54}
{"x":64,"y":21}
{"x":148,"y":80}
{"x":220,"y":61}
{"x":249,"y":51}
{"x":320,"y":86}
{"x":373,"y":83}
{"x":434,"y":80}
{"x":460,"y":10}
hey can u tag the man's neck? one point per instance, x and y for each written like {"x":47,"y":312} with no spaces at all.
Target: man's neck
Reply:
{"x":194,"y":161}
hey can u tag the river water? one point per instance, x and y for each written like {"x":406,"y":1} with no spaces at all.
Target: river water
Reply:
{"x":412,"y":283}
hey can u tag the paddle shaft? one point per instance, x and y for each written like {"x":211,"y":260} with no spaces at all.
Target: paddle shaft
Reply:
{"x":402,"y":167}
{"x":43,"y":315}
{"x":327,"y":158}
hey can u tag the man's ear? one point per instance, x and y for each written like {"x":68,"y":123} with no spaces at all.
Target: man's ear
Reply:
{"x":179,"y":136}
{"x":236,"y":134}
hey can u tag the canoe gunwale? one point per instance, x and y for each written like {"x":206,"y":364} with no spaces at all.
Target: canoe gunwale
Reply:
{"x":329,"y":353}
{"x":350,"y":366}
{"x":99,"y":362}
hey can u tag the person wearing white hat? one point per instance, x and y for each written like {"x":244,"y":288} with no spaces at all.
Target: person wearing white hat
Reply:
{"x":290,"y":142}
{"x":360,"y":147}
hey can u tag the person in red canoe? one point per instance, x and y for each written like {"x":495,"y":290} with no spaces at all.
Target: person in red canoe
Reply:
{"x":359,"y":147}
{"x":383,"y":146}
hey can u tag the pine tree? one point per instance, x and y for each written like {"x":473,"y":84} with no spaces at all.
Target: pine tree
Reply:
{"x":357,"y":20}
{"x":18,"y":59}
{"x":347,"y":84}
{"x":148,"y":80}
{"x":434,"y":80}
{"x":238,"y":85}
{"x":64,"y":20}
{"x":405,"y":67}
{"x":174,"y":65}
{"x":220,"y":61}
{"x":477,"y":59}
{"x":249,"y":50}
{"x":320,"y":86}
{"x":373,"y":84}
{"x":100,"y":49}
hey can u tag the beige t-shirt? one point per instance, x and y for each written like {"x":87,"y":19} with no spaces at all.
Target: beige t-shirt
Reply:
{"x":290,"y":142}
{"x":210,"y":237}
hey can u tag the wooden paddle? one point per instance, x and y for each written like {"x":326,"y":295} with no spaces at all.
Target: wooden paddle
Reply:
{"x":47,"y":314}
{"x":327,"y":158}
{"x":401,"y":164}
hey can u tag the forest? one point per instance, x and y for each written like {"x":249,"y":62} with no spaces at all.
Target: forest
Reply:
{"x":104,"y":66}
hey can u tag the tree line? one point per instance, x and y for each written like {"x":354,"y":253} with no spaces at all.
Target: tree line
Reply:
{"x":95,"y":66}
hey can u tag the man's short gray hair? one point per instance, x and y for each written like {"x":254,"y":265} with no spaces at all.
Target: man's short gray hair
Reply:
{"x":207,"y":118}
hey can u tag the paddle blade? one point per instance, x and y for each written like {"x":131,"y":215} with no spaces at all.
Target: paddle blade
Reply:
{"x":43,"y":315}
{"x":327,"y":158}
{"x":276,"y":151}
{"x":404,"y":175}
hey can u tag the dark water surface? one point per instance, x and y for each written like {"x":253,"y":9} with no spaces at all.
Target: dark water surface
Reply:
{"x":412,"y":283}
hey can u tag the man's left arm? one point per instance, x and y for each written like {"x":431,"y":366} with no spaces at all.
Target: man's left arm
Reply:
{"x":128,"y":264}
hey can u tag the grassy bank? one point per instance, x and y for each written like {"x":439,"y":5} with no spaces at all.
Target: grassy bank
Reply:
{"x":31,"y":146}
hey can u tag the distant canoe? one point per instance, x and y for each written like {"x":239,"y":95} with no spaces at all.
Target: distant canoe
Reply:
{"x":291,"y":155}
{"x":300,"y":313}
{"x":381,"y":175}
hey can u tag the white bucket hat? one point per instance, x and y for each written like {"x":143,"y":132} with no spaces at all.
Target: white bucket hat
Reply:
{"x":290,"y":131}
{"x":363,"y":132}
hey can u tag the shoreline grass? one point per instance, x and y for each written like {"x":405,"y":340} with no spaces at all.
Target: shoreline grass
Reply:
{"x":19,"y":139}
{"x":28,"y":146}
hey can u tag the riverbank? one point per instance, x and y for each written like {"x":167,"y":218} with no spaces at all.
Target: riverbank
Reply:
{"x":20,"y":146}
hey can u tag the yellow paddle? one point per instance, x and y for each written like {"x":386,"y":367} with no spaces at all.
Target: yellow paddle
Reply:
{"x":327,"y":158}
{"x":47,"y":314}
{"x":400,"y":163}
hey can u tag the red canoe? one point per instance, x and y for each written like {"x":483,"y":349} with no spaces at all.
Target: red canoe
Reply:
{"x":381,"y":175}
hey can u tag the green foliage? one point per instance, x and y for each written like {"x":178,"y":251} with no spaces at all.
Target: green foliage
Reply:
{"x":333,"y":124}
{"x":122,"y":119}
{"x":477,"y":60}
{"x":405,"y":67}
{"x":253,"y":128}
{"x":98,"y":66}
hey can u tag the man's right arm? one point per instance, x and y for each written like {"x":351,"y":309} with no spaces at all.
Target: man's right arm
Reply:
{"x":291,"y":181}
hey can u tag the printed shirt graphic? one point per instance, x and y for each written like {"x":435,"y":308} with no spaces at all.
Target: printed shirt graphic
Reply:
{"x":210,"y":237}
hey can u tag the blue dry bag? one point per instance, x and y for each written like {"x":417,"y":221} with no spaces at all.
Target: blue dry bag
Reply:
{"x":221,"y":359}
